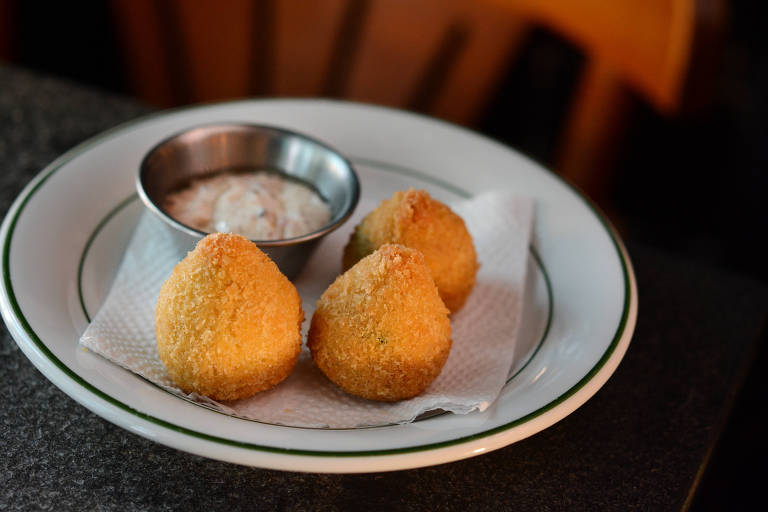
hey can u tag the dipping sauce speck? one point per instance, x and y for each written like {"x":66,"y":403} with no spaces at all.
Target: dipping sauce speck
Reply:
{"x":259,"y":205}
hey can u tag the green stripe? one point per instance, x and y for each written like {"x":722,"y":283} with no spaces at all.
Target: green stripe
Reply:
{"x":16,"y":310}
{"x":548,"y":324}
{"x":372,"y":163}
{"x":399,"y":169}
{"x":103,"y":222}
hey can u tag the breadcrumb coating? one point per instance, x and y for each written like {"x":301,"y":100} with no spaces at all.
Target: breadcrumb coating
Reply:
{"x":414,"y":219}
{"x":380,"y":330}
{"x":227,"y":320}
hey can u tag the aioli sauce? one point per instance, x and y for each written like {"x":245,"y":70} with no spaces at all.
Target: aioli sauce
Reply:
{"x":259,"y":205}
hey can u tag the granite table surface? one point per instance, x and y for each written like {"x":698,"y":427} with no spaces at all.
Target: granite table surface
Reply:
{"x":640,"y":443}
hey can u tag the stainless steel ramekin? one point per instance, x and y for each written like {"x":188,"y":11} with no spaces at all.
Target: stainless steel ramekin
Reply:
{"x":210,"y":148}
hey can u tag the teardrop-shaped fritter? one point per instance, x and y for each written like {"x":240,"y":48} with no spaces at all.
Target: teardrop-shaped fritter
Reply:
{"x":227,"y":320}
{"x":380,"y":330}
{"x":414,"y":219}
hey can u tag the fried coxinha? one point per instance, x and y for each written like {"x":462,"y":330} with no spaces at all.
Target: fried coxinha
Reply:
{"x":414,"y":219}
{"x":227,"y":320}
{"x":381,"y":331}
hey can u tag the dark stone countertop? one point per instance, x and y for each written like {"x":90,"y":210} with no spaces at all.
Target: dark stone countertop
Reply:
{"x":638,"y":444}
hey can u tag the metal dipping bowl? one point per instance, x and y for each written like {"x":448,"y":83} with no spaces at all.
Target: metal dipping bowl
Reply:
{"x":208,"y":149}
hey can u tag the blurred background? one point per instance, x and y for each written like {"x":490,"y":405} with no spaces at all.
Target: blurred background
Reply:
{"x":654,"y":108}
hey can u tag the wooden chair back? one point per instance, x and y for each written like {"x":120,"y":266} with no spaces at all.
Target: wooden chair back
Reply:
{"x":441,"y":57}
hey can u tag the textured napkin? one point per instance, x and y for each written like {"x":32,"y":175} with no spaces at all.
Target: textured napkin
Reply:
{"x":484,"y":332}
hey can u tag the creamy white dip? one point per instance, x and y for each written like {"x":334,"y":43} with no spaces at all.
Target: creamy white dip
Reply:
{"x":258,"y":205}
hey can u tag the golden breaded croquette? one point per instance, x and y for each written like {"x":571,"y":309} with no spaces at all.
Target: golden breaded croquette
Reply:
{"x":227,"y":320}
{"x":380,"y":330}
{"x":414,"y":219}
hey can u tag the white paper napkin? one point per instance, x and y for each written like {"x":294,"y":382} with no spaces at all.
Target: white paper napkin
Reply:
{"x":484,"y":332}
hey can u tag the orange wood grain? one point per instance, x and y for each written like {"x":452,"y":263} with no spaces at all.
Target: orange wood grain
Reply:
{"x":593,"y":130}
{"x":642,"y":45}
{"x":305,"y":37}
{"x":494,"y":41}
{"x":217,"y":37}
{"x":142,"y":47}
{"x":647,"y":42}
{"x":639,"y":45}
{"x":400,"y":36}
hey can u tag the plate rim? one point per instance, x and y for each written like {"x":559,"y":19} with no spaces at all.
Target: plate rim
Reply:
{"x":12,"y":313}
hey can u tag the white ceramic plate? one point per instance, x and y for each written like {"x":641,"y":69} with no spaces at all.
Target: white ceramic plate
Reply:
{"x":63,"y":237}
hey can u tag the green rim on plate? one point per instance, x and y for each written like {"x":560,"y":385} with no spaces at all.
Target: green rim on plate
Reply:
{"x":15,"y":310}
